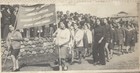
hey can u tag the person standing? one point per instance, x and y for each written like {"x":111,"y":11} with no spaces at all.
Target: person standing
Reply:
{"x":62,"y":40}
{"x":88,"y":38}
{"x":85,"y":39}
{"x":128,"y":38}
{"x":5,"y":20}
{"x":78,"y":42}
{"x":107,"y":37}
{"x":111,"y":43}
{"x":71,"y":43}
{"x":99,"y":44}
{"x":13,"y":41}
{"x":120,"y":35}
{"x":13,"y":17}
{"x":133,"y":41}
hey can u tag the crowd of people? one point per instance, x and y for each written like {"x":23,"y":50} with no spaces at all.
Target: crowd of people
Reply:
{"x":8,"y":17}
{"x":77,"y":36}
{"x":81,"y":35}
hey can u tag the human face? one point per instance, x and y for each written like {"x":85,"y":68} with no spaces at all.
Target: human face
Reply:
{"x":105,"y":21}
{"x":67,"y":12}
{"x":85,"y":26}
{"x":129,"y":27}
{"x":11,"y":28}
{"x":119,"y":26}
{"x":98,"y":22}
{"x":75,"y":26}
{"x":62,"y":25}
{"x":69,"y":24}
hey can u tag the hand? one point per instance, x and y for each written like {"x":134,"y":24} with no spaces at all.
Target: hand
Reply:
{"x":99,"y":41}
{"x":8,"y":47}
{"x":9,"y":52}
{"x":106,"y":45}
{"x":111,"y":41}
{"x":11,"y":38}
{"x":26,"y":39}
{"x":115,"y":43}
{"x":123,"y":39}
{"x":132,"y":38}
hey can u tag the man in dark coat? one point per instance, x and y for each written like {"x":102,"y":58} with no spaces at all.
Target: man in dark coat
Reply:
{"x":5,"y":22}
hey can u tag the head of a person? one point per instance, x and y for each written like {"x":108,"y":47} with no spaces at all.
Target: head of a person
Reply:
{"x":11,"y":28}
{"x":98,"y":22}
{"x":58,"y":12}
{"x":69,"y":24}
{"x":61,"y":13}
{"x":62,"y":25}
{"x":6,"y":7}
{"x":71,"y":14}
{"x":76,"y":14}
{"x":67,"y":12}
{"x":75,"y":26}
{"x":119,"y":25}
{"x":88,"y":25}
{"x":85,"y":26}
{"x":105,"y":21}
{"x":14,"y":12}
{"x":128,"y":26}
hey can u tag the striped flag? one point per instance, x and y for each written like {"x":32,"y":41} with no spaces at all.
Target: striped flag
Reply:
{"x":35,"y":15}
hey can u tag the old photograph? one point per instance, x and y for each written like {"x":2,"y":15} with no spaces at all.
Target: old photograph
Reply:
{"x":69,"y":36}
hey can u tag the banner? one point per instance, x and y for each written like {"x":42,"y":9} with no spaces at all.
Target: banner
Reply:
{"x":35,"y":15}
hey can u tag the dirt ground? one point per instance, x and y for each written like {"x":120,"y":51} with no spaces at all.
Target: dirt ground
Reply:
{"x":45,"y":62}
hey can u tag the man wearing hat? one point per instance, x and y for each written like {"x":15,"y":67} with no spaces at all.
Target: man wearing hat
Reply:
{"x":14,"y":43}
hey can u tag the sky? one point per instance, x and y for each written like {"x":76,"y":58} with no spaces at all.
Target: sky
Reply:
{"x":102,"y":9}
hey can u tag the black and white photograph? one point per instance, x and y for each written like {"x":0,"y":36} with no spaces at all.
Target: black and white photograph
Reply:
{"x":70,"y":36}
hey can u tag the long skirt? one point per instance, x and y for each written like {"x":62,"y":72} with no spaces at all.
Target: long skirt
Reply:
{"x":98,"y":53}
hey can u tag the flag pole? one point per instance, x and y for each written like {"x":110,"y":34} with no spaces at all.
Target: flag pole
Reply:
{"x":60,"y":67}
{"x":59,"y":59}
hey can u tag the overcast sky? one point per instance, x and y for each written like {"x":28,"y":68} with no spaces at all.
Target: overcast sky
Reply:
{"x":99,"y":9}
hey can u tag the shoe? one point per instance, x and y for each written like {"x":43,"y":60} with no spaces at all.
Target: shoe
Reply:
{"x":107,"y":60}
{"x":102,"y":64}
{"x":65,"y":68}
{"x":95,"y":63}
{"x":122,"y":53}
{"x":18,"y":69}
{"x":79,"y":62}
{"x":13,"y":70}
{"x":60,"y":68}
{"x":71,"y":63}
{"x":84,"y":57}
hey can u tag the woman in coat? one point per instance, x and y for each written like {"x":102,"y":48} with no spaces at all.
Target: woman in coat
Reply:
{"x":134,"y":37}
{"x":107,"y":37}
{"x":98,"y":44}
{"x":120,"y":35}
{"x":128,"y":38}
